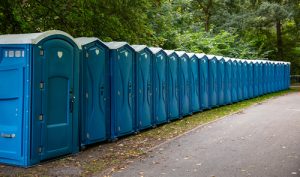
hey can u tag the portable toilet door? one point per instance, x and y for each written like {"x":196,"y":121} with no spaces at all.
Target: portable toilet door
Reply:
{"x":213,"y":80}
{"x":255,"y":78}
{"x":245,"y":79}
{"x":203,"y":81}
{"x":272,"y":76}
{"x":234,"y":81}
{"x":275,"y":76}
{"x":95,"y":91}
{"x":265,"y":76}
{"x":250,"y":78}
{"x":281,"y":76}
{"x":159,"y":85}
{"x":228,"y":81}
{"x":39,"y":75}
{"x":194,"y":86}
{"x":240,"y":80}
{"x":143,"y":83}
{"x":172,"y":80}
{"x":268,"y":71}
{"x":221,"y":80}
{"x":184,"y":81}
{"x":122,"y":86}
{"x":260,"y":78}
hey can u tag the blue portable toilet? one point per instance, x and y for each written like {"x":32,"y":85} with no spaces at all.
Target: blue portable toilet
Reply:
{"x":194,"y":80}
{"x":95,"y":91}
{"x":265,"y":76}
{"x":122,"y":86}
{"x":268,"y":71}
{"x":275,"y":85}
{"x":255,"y":78}
{"x":184,"y":83}
{"x":203,"y":80}
{"x":281,"y":75}
{"x":221,"y":80}
{"x":245,"y":79}
{"x":143,"y":82}
{"x":213,"y":80}
{"x":234,"y":81}
{"x":228,"y":81}
{"x":159,"y":85}
{"x":271,"y":76}
{"x":173,"y":85}
{"x":260,"y":78}
{"x":240,"y":80}
{"x":39,"y":91}
{"x":250,"y":78}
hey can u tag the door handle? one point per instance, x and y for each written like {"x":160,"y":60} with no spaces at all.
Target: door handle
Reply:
{"x":71,"y":101}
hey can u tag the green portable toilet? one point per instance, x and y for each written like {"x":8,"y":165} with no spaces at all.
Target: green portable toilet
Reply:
{"x":144,"y":87}
{"x":95,"y":91}
{"x":122,"y":84}
{"x":39,"y":97}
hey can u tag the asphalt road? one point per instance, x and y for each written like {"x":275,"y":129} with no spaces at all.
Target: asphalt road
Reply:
{"x":263,"y":140}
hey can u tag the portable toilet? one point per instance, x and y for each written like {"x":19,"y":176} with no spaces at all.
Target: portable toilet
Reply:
{"x":275,"y":76}
{"x":265,"y":76}
{"x":286,"y":75}
{"x":228,"y":81}
{"x":271,"y":76}
{"x":245,"y":79}
{"x":184,"y":83}
{"x":250,"y":78}
{"x":234,"y":81}
{"x":122,"y":86}
{"x":281,"y":75}
{"x":213,"y":80}
{"x":172,"y":90}
{"x":194,"y":86}
{"x":240,"y":80}
{"x":221,"y":80}
{"x":255,"y":78}
{"x":159,"y":85}
{"x":143,"y":83}
{"x":95,"y":91}
{"x":268,"y":71}
{"x":260,"y":77}
{"x":39,"y":91}
{"x":203,"y":79}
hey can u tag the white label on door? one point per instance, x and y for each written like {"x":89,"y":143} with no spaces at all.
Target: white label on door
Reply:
{"x":97,"y":51}
{"x":59,"y":54}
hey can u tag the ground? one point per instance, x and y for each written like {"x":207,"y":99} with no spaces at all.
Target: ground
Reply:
{"x":106,"y":158}
{"x":263,"y":140}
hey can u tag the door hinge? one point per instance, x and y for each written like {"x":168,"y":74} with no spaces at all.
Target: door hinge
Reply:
{"x":41,"y":52}
{"x":42,"y":85}
{"x":41,"y":117}
{"x":40,"y":149}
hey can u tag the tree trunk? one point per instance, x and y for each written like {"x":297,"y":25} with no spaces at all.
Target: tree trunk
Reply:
{"x":279,"y":40}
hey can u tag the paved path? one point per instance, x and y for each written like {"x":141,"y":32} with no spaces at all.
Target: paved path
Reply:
{"x":263,"y":140}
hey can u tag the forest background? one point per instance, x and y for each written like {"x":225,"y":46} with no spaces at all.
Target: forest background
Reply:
{"x":262,"y":29}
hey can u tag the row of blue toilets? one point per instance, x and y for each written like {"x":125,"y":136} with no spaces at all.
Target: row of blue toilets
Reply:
{"x":58,"y":93}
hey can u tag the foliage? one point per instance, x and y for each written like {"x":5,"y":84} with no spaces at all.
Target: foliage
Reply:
{"x":234,"y":28}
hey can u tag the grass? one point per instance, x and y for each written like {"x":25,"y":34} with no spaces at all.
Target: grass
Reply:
{"x":102,"y":159}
